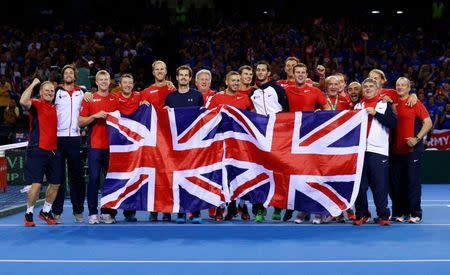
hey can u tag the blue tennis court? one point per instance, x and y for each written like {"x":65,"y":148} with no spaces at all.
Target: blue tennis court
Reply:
{"x":231,"y":247}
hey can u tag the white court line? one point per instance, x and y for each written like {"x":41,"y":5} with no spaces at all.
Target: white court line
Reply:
{"x":226,"y":261}
{"x":223,"y":225}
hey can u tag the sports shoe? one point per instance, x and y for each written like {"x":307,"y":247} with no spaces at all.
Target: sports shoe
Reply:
{"x":28,"y":219}
{"x":415,"y":219}
{"x":382,"y":221}
{"x":231,"y":211}
{"x":276,"y":216}
{"x":167,"y":217}
{"x":153,"y":217}
{"x":318,"y":219}
{"x":212,"y":212}
{"x":288,"y":215}
{"x":362,"y":220}
{"x":219,"y":214}
{"x":301,"y":217}
{"x":107,"y":219}
{"x":196,"y":220}
{"x":350,"y":214}
{"x":181,"y":218}
{"x":79,"y":218}
{"x":47,"y":217}
{"x":245,"y":216}
{"x":130,"y":218}
{"x":259,"y":216}
{"x":93,"y":219}
{"x":339,"y":219}
{"x":403,"y":218}
{"x":58,"y":219}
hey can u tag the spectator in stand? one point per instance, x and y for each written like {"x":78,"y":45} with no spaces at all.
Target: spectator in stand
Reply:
{"x":445,"y":119}
{"x":441,"y":101}
{"x":433,"y":111}
{"x":413,"y":124}
{"x":11,"y":116}
{"x":5,"y":97}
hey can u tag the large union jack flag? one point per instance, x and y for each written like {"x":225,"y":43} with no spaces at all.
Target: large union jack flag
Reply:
{"x":189,"y":159}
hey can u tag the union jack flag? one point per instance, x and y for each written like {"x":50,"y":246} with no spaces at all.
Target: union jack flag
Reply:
{"x":189,"y":159}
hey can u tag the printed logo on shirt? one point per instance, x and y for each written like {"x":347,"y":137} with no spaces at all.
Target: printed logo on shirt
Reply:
{"x":239,"y":97}
{"x":152,"y":91}
{"x":190,"y":100}
{"x":306,"y":91}
{"x":96,"y":100}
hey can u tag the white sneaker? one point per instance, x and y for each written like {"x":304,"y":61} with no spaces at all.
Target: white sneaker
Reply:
{"x":57,"y":219}
{"x":93,"y":219}
{"x":326,"y":219}
{"x":301,"y":217}
{"x":415,"y":220}
{"x":79,"y":218}
{"x":106,"y":218}
{"x":317,"y":219}
{"x":401,"y":218}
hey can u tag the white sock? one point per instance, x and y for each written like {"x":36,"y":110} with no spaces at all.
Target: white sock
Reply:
{"x":30,"y":209}
{"x":47,"y":207}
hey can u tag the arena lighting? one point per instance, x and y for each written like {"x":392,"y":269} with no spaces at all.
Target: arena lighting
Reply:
{"x":265,"y":12}
{"x":399,"y":12}
{"x":375,"y":12}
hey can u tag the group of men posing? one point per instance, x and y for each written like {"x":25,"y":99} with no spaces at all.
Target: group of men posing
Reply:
{"x":58,"y":114}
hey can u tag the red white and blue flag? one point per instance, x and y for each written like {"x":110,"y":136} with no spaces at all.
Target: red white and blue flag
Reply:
{"x":189,"y":159}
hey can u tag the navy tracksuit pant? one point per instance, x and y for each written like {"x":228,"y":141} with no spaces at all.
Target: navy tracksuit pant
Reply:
{"x":70,"y":150}
{"x":375,"y":175}
{"x":98,"y":161}
{"x":406,"y":188}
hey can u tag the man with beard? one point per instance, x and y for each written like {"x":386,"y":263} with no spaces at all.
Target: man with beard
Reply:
{"x":68,"y":99}
{"x":184,"y":96}
{"x":268,"y":98}
{"x":354,"y":92}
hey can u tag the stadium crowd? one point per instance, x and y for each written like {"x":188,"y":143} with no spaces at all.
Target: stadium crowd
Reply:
{"x":342,"y":46}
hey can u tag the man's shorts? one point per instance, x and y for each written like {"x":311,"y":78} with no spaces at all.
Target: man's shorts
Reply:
{"x":41,"y":162}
